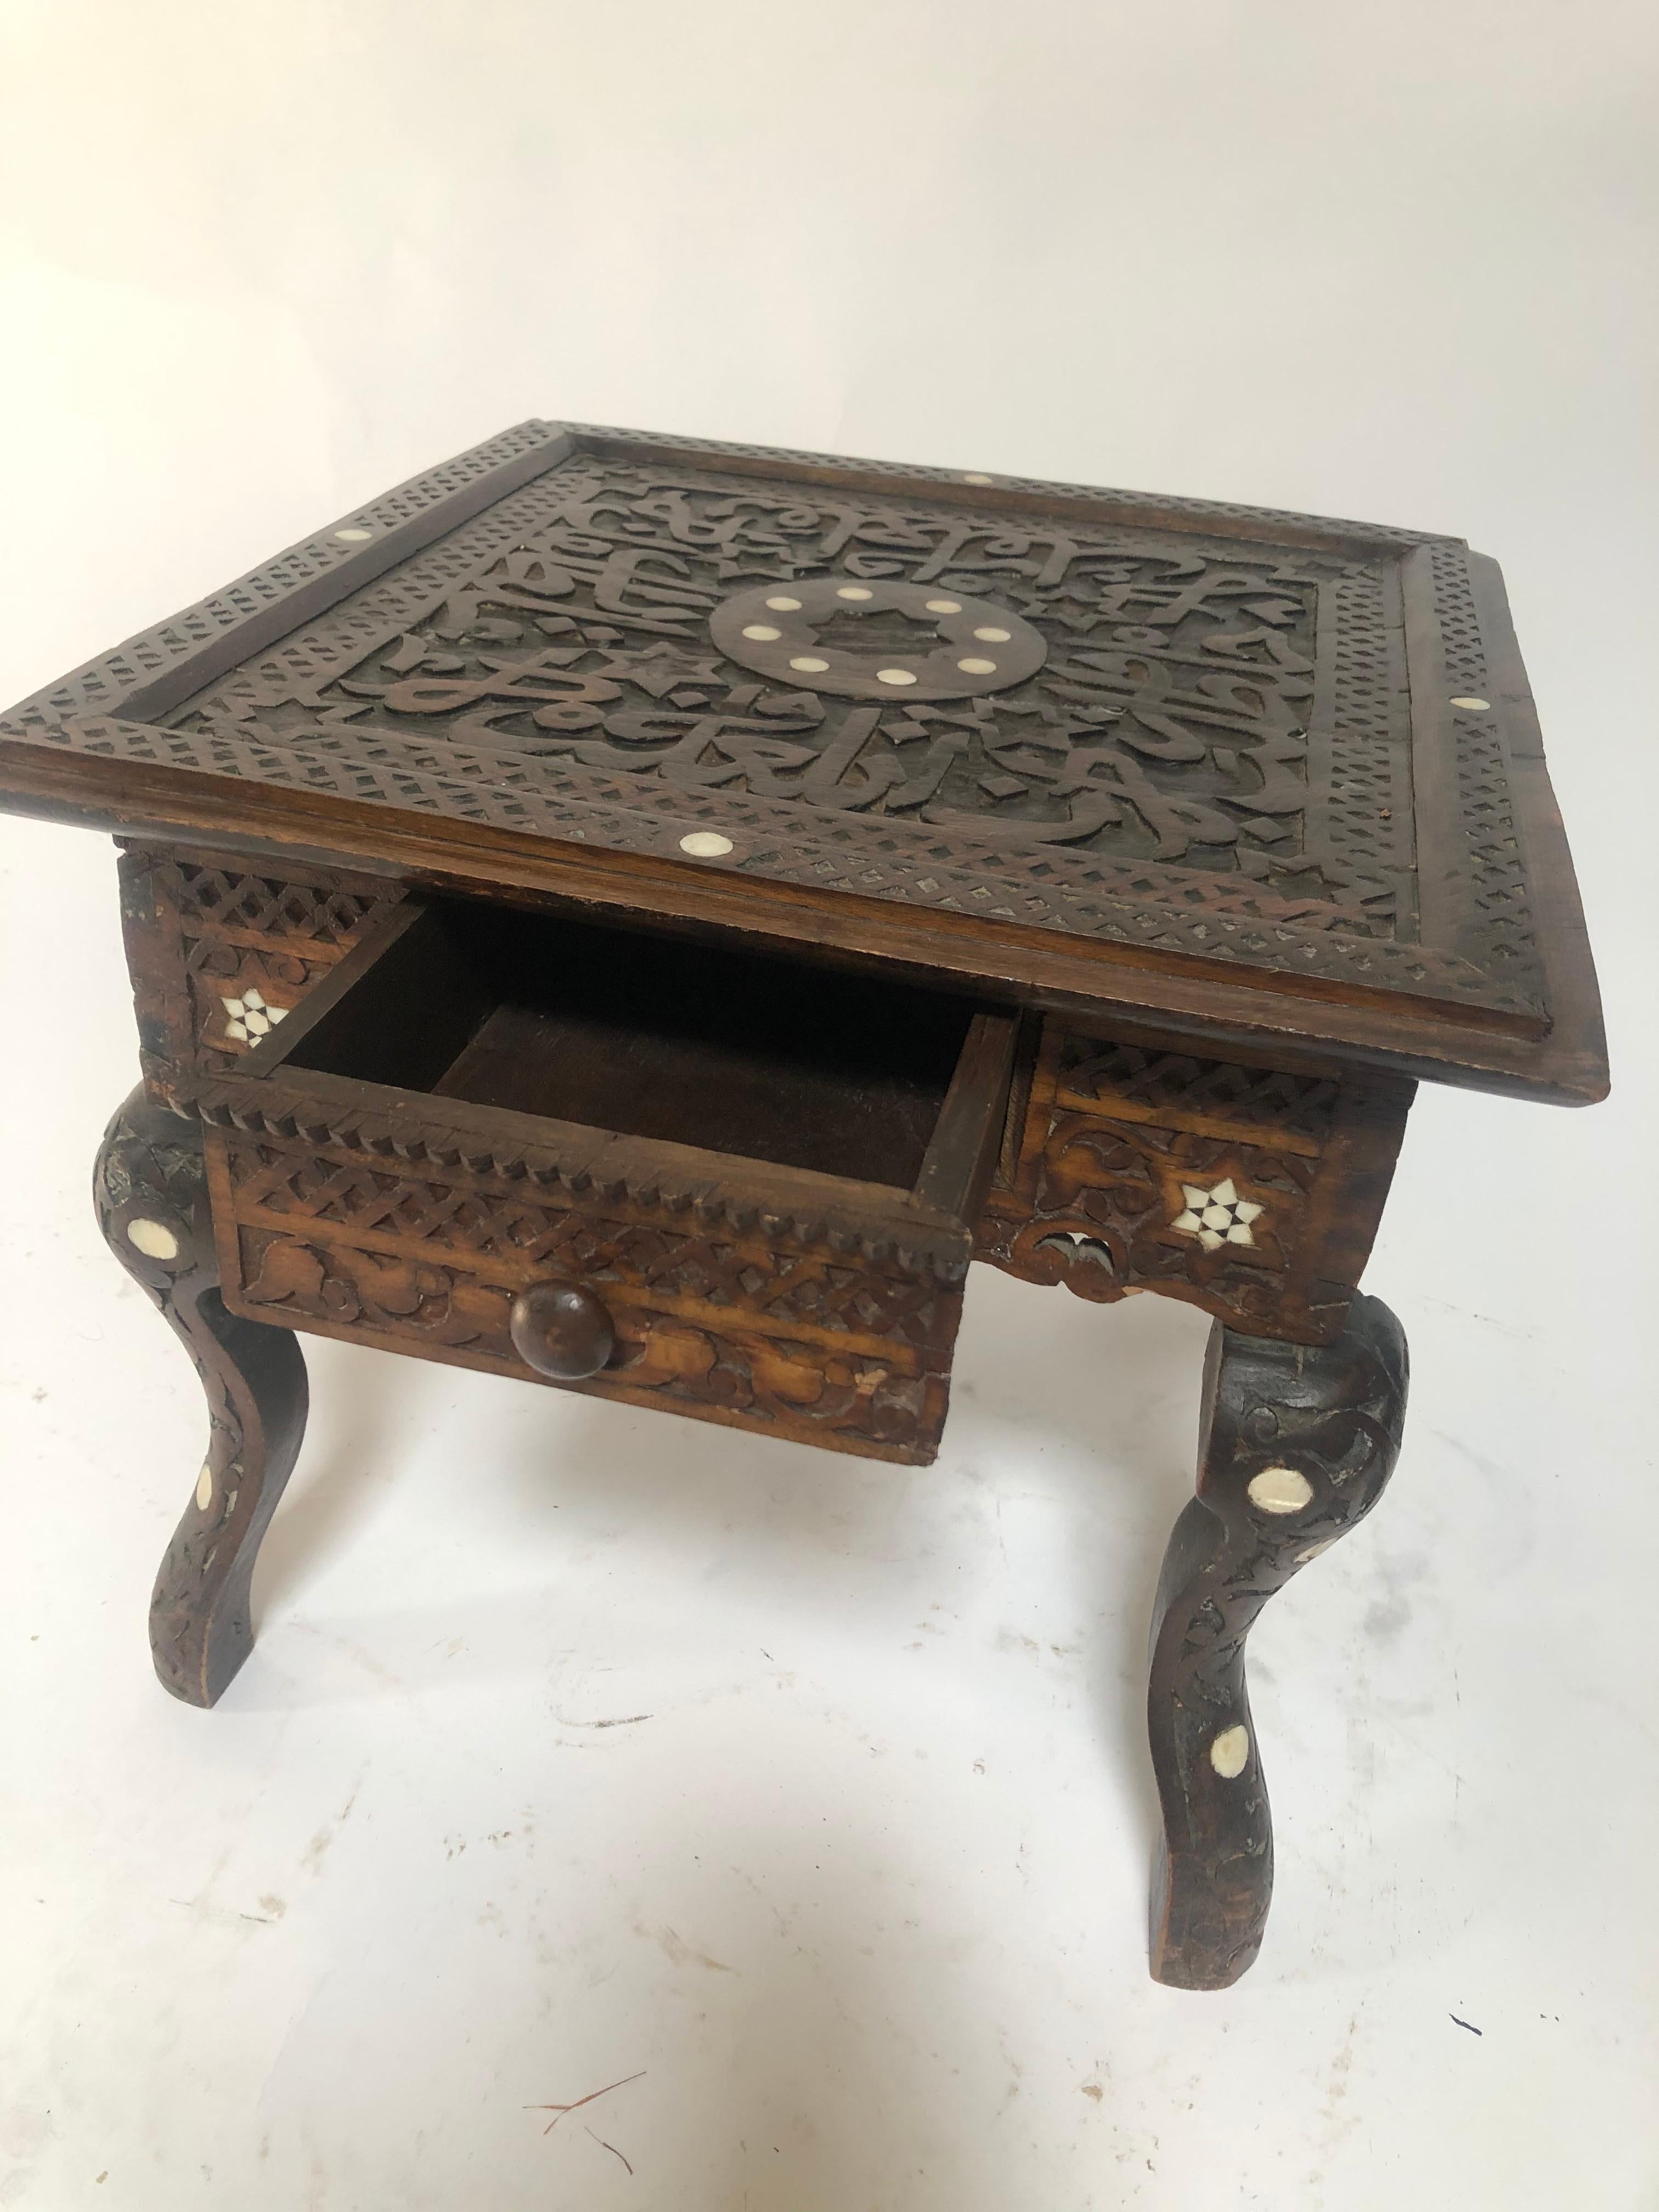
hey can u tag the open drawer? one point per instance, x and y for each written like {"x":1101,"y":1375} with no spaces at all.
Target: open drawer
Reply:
{"x":677,"y":1176}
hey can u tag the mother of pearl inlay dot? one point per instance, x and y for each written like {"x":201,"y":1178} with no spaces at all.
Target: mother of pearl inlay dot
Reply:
{"x":783,"y":605}
{"x":976,"y":667}
{"x":705,"y":845}
{"x":1280,"y":1490}
{"x":204,"y":1488}
{"x":991,"y":636}
{"x":154,"y":1239}
{"x":762,"y":633}
{"x":1230,"y":1751}
{"x":1472,"y":706}
{"x":354,"y":537}
{"x":853,"y":592}
{"x":808,"y":665}
{"x":945,"y":606}
{"x":896,"y":676}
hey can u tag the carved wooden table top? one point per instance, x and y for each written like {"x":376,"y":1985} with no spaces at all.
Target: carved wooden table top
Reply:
{"x":643,"y":917}
{"x":1258,"y":775}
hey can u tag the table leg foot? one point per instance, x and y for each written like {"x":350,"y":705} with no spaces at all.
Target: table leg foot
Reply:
{"x":1296,"y":1443}
{"x":150,"y":1190}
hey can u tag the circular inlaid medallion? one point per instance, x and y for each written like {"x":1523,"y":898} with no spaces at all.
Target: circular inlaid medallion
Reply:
{"x":923,"y":645}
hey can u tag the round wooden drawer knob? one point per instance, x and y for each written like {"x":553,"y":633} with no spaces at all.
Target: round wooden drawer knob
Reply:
{"x":561,"y":1330}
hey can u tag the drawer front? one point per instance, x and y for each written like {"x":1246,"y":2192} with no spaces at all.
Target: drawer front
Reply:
{"x":819,"y":1340}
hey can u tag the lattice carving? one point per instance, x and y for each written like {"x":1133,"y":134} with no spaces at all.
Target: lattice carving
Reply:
{"x":1167,"y":721}
{"x":476,"y":1224}
{"x":1133,"y":1082}
{"x":1252,"y":1193}
{"x":1460,"y":625}
{"x":102,"y":684}
{"x":1212,"y":758}
{"x":1088,"y":497}
{"x":204,"y":936}
{"x":1499,"y":931}
{"x":225,"y":902}
{"x":585,"y":1166}
{"x":1220,"y":917}
{"x":755,"y":1329}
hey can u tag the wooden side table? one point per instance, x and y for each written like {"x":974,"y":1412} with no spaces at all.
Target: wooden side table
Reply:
{"x":643,"y":914}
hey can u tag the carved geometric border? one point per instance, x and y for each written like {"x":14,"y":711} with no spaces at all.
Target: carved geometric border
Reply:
{"x":1187,"y":911}
{"x":591,"y":1166}
{"x":1202,"y":911}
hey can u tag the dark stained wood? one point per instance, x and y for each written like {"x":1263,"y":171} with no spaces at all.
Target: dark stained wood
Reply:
{"x":846,"y":1076}
{"x":219,"y":956}
{"x":961,"y":1155}
{"x":639,"y":914}
{"x":372,"y":1181}
{"x":1198,"y":809}
{"x":792,"y":1088}
{"x":1295,"y":1446}
{"x":153,"y":1208}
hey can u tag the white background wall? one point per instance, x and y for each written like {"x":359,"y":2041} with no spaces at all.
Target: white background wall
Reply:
{"x":259,"y":263}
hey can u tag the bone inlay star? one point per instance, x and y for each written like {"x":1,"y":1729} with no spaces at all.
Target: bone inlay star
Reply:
{"x":251,"y":1016}
{"x":1216,"y":1216}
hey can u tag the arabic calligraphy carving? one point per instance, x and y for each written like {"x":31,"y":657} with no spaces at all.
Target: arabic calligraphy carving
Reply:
{"x":622,"y":547}
{"x":1093,"y":690}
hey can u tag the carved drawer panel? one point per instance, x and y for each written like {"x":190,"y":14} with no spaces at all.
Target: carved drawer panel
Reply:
{"x":387,"y":1167}
{"x":1253,"y":1192}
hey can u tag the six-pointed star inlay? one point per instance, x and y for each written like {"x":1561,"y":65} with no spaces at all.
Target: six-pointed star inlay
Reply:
{"x":1216,"y":1216}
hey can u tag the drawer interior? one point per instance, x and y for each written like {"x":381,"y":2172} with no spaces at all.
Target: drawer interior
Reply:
{"x":727,"y":1051}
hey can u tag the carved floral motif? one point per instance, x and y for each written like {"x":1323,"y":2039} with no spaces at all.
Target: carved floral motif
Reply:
{"x":800,"y":1340}
{"x":1142,"y":1169}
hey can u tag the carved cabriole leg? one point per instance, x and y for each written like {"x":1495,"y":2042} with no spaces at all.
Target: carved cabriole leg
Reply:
{"x":151,"y":1194}
{"x":1296,"y":1443}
